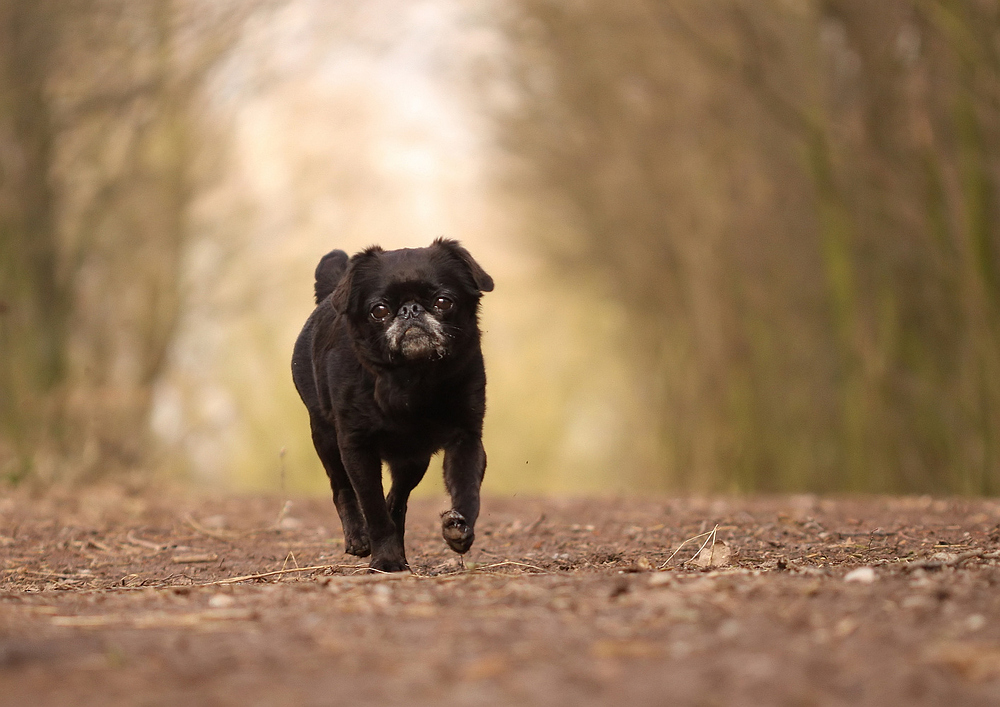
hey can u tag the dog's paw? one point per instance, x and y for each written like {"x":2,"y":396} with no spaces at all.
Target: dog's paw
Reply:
{"x":388,"y":564}
{"x":456,"y":531}
{"x":357,"y":546}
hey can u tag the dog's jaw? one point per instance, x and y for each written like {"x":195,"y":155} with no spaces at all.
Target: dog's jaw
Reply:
{"x":418,"y":340}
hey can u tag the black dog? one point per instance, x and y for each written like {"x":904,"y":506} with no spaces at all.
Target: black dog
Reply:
{"x":390,"y":368}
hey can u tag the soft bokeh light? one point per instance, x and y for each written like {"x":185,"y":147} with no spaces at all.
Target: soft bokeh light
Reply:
{"x":348,"y":128}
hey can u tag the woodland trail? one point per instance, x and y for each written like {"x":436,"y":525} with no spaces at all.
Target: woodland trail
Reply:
{"x":109,"y":597}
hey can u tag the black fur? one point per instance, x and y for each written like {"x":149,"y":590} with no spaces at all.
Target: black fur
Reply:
{"x":328,"y":273}
{"x":371,"y":399}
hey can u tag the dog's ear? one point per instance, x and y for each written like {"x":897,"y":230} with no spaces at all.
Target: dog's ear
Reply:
{"x":328,"y":273}
{"x":484,"y":283}
{"x":342,"y":292}
{"x":344,"y":297}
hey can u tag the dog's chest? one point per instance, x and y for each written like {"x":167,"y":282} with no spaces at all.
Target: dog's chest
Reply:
{"x":419,"y":433}
{"x":414,"y":417}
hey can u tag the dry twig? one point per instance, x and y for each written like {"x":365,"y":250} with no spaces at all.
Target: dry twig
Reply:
{"x":532,"y":526}
{"x":131,"y":539}
{"x":511,"y":562}
{"x":218,"y":535}
{"x":157,"y":619}
{"x":952,"y":561}
{"x":275,"y":573}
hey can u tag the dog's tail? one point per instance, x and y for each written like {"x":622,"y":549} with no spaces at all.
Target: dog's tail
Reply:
{"x":328,"y":273}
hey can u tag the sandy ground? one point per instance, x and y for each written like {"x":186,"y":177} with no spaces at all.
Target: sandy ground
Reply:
{"x":109,"y":597}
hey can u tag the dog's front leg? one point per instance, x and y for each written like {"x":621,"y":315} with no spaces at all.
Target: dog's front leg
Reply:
{"x":464,"y":467}
{"x":364,"y":468}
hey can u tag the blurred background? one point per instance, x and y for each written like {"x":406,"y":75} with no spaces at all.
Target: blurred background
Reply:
{"x":739,"y":245}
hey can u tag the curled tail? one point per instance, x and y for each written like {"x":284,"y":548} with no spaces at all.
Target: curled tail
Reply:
{"x":328,"y":273}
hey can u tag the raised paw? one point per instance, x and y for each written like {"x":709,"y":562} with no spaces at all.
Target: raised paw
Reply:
{"x":456,"y":531}
{"x":357,"y":545}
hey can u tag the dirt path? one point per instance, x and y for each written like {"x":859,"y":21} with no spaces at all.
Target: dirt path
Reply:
{"x":107,"y":598}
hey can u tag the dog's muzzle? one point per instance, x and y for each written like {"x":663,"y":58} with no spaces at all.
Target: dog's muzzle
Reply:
{"x":416,"y":334}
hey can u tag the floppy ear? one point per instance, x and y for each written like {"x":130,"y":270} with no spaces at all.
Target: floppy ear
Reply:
{"x":328,"y":273}
{"x":479,"y":276}
{"x":344,"y":294}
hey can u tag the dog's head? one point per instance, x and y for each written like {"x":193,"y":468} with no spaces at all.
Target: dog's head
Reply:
{"x":414,"y":304}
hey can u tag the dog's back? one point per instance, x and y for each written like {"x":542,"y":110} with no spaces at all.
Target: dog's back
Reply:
{"x":329,"y":271}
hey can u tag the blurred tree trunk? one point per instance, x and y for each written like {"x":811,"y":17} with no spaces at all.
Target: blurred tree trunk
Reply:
{"x":99,"y":160}
{"x":127,"y":234}
{"x":33,"y":293}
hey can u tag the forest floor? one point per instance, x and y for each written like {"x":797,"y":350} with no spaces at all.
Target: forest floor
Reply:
{"x":109,"y":597}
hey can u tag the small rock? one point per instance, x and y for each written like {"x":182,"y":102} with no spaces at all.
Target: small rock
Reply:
{"x":659,"y":579}
{"x":864,"y":575}
{"x":220,"y":601}
{"x":640,"y":565}
{"x":382,"y":595}
{"x":729,"y":629}
{"x":620,"y":587}
{"x":945,"y":558}
{"x":975,"y":622}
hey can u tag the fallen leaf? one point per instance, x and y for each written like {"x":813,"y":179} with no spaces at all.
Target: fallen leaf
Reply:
{"x":487,"y":667}
{"x":624,"y":649}
{"x":974,"y":661}
{"x":717,"y":555}
{"x":845,"y":627}
{"x":640,"y":565}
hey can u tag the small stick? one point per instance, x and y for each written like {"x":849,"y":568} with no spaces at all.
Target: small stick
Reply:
{"x":132,"y":540}
{"x":871,"y":539}
{"x":284,"y":509}
{"x":154,"y":619}
{"x":205,"y":531}
{"x":711,"y":537}
{"x":292,"y":556}
{"x":511,"y":562}
{"x":534,"y":524}
{"x":262,"y":575}
{"x":58,"y":575}
{"x":932,"y":564}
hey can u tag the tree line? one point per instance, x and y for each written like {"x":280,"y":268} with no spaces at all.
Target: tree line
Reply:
{"x":797,"y":206}
{"x":794,"y":205}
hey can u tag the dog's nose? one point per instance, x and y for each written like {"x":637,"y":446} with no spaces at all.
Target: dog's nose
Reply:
{"x":410,"y":310}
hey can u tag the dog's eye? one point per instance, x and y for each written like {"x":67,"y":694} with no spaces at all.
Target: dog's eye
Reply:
{"x":380,"y":312}
{"x":443,"y":304}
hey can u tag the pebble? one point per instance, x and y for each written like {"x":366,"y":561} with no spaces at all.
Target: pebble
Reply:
{"x":864,"y":575}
